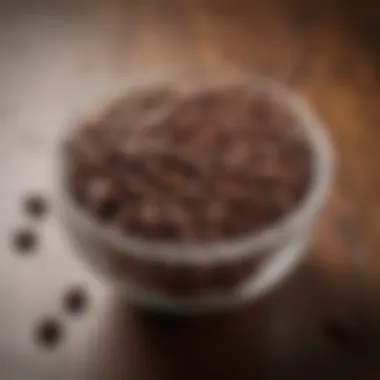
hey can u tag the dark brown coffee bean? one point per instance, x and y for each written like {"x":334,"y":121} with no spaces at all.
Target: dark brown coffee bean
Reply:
{"x":49,"y":332}
{"x":36,"y":205}
{"x":24,"y":240}
{"x":107,"y":209}
{"x":75,"y":300}
{"x":102,"y":199}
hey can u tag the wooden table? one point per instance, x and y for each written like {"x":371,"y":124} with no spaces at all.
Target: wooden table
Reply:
{"x":321,"y":324}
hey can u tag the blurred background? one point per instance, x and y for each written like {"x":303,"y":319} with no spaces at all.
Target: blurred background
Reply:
{"x":53,"y":52}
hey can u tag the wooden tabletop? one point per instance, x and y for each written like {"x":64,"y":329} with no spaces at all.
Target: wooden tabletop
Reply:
{"x":323,"y":323}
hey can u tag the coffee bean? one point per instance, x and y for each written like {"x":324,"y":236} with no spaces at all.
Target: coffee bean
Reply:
{"x":49,"y":332}
{"x":36,"y":205}
{"x":75,"y":300}
{"x":24,"y":240}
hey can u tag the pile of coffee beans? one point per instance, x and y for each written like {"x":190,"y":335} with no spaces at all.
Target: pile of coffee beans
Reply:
{"x":205,"y":166}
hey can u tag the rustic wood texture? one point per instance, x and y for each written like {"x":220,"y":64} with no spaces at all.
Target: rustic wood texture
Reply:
{"x":323,"y":323}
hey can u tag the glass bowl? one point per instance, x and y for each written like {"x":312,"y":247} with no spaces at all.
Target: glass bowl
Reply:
{"x":198,"y":277}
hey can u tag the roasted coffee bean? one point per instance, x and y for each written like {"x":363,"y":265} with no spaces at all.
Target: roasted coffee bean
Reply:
{"x":36,"y":205}
{"x":49,"y":332}
{"x":75,"y":300}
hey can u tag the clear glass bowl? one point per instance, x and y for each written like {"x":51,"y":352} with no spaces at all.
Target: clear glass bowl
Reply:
{"x":196,"y":278}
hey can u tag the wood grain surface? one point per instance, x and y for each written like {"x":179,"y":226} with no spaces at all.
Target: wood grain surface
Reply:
{"x":323,"y":323}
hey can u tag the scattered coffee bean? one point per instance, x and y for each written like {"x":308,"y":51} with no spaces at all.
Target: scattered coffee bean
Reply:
{"x":49,"y":332}
{"x":75,"y":300}
{"x":36,"y":205}
{"x":24,"y":240}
